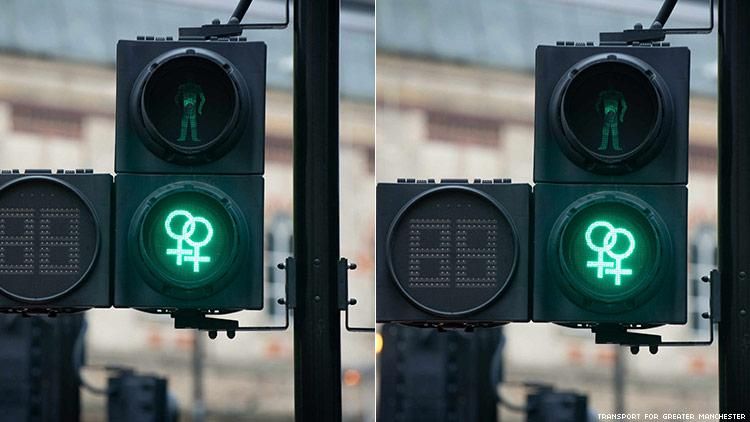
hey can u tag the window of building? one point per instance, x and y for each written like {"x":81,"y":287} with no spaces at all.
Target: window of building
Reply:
{"x":47,"y":121}
{"x":463,"y":129}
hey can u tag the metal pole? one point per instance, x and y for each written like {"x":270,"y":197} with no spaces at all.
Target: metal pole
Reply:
{"x":317,"y":328}
{"x":734,"y":205}
{"x":664,"y":12}
{"x":199,"y":406}
{"x":619,"y":380}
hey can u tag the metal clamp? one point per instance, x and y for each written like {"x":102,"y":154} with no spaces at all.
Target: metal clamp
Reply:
{"x":233,"y":28}
{"x":656,"y":32}
{"x":344,"y":301}
{"x":198,"y":320}
{"x":617,"y":334}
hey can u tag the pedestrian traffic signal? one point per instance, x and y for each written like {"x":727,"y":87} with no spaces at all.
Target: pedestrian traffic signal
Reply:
{"x":190,"y":107}
{"x":54,"y":240}
{"x":192,"y":243}
{"x":610,"y":198}
{"x":189,"y":188}
{"x":610,"y":253}
{"x":611,"y":114}
{"x":452,"y":252}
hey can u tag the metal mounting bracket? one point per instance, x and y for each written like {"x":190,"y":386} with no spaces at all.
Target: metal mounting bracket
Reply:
{"x":344,"y":301}
{"x":201,"y":321}
{"x":656,"y":32}
{"x":233,"y":28}
{"x":618,"y":334}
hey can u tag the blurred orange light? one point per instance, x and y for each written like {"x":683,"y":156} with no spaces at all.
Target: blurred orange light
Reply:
{"x":352,"y":377}
{"x":378,"y":342}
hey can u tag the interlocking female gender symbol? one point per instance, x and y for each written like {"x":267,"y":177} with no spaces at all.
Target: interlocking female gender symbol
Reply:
{"x":608,"y":243}
{"x":188,"y":229}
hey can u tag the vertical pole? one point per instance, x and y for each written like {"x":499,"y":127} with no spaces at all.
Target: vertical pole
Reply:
{"x":619,"y":380}
{"x":199,"y":406}
{"x":317,"y":327}
{"x":734,"y":205}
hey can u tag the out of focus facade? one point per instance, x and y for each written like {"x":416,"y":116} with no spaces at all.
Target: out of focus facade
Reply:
{"x":455,"y":99}
{"x":57,"y":110}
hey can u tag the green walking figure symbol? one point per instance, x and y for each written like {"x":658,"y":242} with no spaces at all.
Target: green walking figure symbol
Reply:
{"x":613,"y":101}
{"x":189,"y":95}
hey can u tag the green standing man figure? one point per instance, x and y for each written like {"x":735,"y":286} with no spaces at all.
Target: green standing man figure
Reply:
{"x":611,"y":102}
{"x":189,"y":95}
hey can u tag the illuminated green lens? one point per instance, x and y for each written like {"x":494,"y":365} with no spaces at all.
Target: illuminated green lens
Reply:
{"x":188,"y":238}
{"x":610,"y":251}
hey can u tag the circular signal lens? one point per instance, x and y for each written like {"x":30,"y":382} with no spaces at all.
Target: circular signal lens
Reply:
{"x":188,"y":237}
{"x":190,"y":103}
{"x":609,"y":247}
{"x":49,"y":239}
{"x":452,"y":250}
{"x":612,"y":113}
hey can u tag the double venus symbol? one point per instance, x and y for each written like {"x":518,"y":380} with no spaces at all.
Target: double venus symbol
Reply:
{"x":186,"y":235}
{"x":608,"y":243}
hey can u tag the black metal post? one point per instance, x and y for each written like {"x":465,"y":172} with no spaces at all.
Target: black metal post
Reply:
{"x":198,"y":361}
{"x":317,"y":329}
{"x":734,"y":205}
{"x":618,"y":380}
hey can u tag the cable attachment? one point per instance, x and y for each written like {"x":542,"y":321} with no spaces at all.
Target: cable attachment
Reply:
{"x":344,"y":301}
{"x":656,"y":32}
{"x":618,"y":334}
{"x":196,"y":319}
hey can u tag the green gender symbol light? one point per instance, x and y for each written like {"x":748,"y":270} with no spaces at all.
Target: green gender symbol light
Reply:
{"x":608,"y":250}
{"x":610,"y":240}
{"x":188,"y":239}
{"x":186,"y":235}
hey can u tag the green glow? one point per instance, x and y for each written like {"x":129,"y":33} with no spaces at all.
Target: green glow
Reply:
{"x":609,"y":251}
{"x":189,"y":95}
{"x":611,"y":103}
{"x":186,"y":235}
{"x":188,"y":239}
{"x":609,"y":242}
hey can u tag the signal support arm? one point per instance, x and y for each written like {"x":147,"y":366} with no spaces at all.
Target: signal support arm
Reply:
{"x":656,"y":32}
{"x":618,"y":334}
{"x":199,"y":320}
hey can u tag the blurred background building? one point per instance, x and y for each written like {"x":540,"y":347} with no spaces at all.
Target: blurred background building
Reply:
{"x":57,"y":110}
{"x":455,"y":99}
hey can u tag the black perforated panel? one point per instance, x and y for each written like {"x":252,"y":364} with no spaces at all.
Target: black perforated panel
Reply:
{"x":452,"y":250}
{"x":48,"y":239}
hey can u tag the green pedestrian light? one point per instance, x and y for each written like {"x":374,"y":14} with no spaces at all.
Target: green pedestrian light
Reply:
{"x":608,"y":247}
{"x":190,"y":95}
{"x":610,"y":173}
{"x":187,"y":235}
{"x":189,"y":157}
{"x":609,"y":242}
{"x":612,"y":105}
